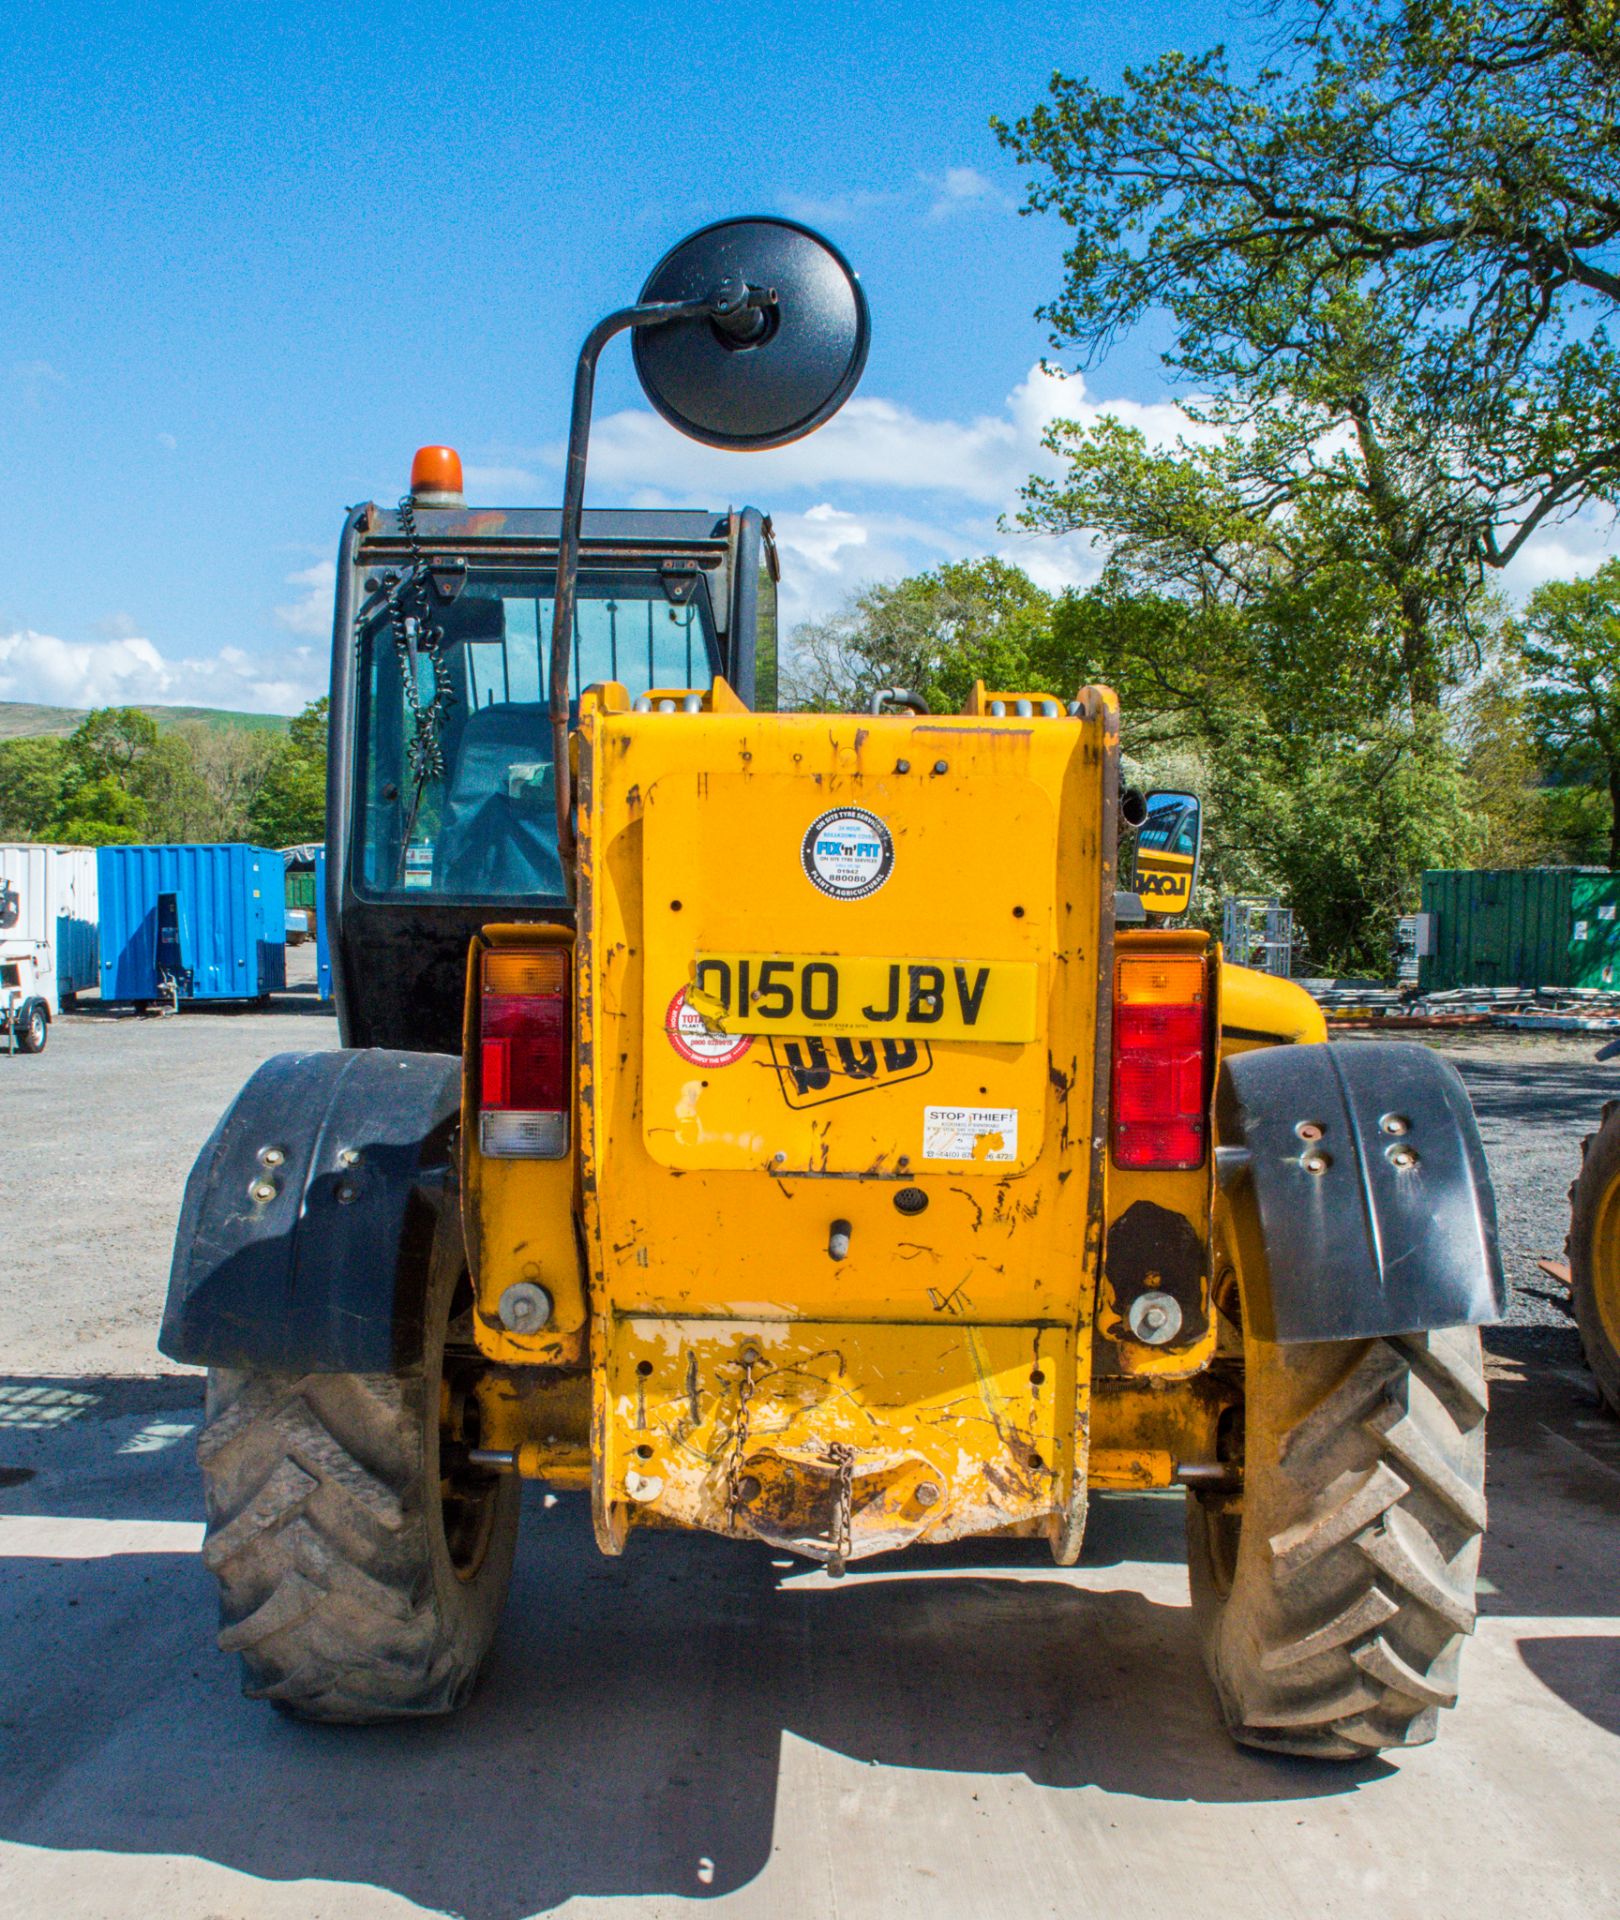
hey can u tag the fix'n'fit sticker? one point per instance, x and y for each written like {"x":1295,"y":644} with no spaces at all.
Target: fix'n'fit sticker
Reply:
{"x":697,"y":1044}
{"x":970,"y":1133}
{"x":847,"y":853}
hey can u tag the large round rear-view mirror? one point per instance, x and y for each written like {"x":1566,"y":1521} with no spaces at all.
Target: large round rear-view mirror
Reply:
{"x":778,"y":366}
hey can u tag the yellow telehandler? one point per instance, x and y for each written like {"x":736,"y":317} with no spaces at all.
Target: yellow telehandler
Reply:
{"x":800,"y":1127}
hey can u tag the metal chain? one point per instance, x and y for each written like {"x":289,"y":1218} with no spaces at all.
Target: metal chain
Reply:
{"x":843,"y":1458}
{"x":425,"y":750}
{"x":739,"y":1441}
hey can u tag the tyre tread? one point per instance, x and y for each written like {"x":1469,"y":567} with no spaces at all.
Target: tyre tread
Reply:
{"x":1346,"y":1637}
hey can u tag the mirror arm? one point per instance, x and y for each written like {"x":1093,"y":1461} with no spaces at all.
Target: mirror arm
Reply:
{"x":728,"y":304}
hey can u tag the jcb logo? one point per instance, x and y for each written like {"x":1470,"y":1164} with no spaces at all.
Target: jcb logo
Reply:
{"x":814,"y":1070}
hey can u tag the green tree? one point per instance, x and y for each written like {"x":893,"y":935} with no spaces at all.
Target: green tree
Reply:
{"x":1572,"y":653}
{"x":934,"y":634}
{"x":1409,"y":223}
{"x":32,"y":775}
{"x":288,"y":806}
{"x":232,"y":763}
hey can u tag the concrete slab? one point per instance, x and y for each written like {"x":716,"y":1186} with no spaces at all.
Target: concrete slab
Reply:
{"x":967,"y":1733}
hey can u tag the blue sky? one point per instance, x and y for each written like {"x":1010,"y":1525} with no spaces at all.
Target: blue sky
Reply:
{"x":253,"y":256}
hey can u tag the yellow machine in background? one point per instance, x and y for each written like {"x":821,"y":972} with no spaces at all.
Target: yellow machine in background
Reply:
{"x":789,"y":1126}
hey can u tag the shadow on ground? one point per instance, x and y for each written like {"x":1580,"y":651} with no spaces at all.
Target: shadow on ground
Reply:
{"x":628,"y":1737}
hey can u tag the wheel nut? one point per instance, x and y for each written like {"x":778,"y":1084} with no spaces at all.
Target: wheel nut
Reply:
{"x":524,"y":1307}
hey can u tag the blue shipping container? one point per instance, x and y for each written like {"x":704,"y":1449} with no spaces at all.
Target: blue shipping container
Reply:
{"x":212,"y":918}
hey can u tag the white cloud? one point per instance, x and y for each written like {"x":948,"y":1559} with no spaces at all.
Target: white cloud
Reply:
{"x":42,"y":668}
{"x":1565,"y":550}
{"x":960,"y":188}
{"x":33,"y":379}
{"x":311,"y":612}
{"x":836,"y":209}
{"x":883,"y":490}
{"x":880,"y":491}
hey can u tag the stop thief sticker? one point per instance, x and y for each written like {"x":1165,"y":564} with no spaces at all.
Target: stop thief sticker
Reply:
{"x":847,"y":853}
{"x":697,"y":1044}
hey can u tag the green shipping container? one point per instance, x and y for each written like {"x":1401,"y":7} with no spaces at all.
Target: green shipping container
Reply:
{"x":1594,"y":939}
{"x":301,"y":888}
{"x":1528,"y":927}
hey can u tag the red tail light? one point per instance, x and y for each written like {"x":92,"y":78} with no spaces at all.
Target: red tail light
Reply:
{"x":525,"y":1035}
{"x":1161,"y":1063}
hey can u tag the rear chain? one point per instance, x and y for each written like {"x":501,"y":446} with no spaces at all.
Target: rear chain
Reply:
{"x":425,"y":748}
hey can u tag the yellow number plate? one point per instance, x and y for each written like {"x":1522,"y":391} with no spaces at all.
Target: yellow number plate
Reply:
{"x":808,"y":993}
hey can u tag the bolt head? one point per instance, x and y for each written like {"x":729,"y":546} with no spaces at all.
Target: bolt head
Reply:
{"x":1154,"y":1318}
{"x":927,"y":1494}
{"x":271,"y":1156}
{"x":264,"y":1190}
{"x":1316,"y":1163}
{"x":524,"y":1307}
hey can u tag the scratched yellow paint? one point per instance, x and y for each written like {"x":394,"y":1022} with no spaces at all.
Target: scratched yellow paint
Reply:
{"x":712,"y":1181}
{"x":936,"y":1379}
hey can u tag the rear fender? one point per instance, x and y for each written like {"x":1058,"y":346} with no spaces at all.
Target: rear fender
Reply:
{"x":307,"y":1229}
{"x":1358,"y":1192}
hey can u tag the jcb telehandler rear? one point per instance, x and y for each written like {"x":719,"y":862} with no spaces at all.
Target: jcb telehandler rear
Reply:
{"x":793,"y":1126}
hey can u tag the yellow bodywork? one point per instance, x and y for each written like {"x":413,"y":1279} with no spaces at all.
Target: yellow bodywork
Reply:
{"x":832,"y":1239}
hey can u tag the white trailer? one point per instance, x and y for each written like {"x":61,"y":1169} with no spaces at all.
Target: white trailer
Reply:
{"x":49,"y":947}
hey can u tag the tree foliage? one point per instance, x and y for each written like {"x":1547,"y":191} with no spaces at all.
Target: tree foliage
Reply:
{"x":1415,"y":213}
{"x":933,"y":634}
{"x":1572,"y":652}
{"x":121,"y":778}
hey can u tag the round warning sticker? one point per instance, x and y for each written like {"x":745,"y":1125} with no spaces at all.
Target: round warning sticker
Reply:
{"x":701,"y":1046}
{"x":848,"y":853}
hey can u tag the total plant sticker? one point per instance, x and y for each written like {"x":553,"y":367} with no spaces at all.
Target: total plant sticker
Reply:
{"x":696,"y":1042}
{"x":847,"y":853}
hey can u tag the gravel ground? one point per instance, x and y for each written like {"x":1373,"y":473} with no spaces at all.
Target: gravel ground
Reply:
{"x":1537,"y":1097}
{"x":97,"y":1135}
{"x":100,"y":1130}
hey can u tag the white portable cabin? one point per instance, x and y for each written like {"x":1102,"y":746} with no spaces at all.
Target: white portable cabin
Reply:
{"x":49,"y":921}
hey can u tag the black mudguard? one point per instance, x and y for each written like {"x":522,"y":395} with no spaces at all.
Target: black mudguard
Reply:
{"x":1384,"y":1222}
{"x":327,"y":1273}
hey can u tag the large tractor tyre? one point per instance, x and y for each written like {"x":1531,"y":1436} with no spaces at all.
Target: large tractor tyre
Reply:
{"x":362,"y":1562}
{"x":1334,"y":1590}
{"x":1594,"y":1252}
{"x":33,"y":1027}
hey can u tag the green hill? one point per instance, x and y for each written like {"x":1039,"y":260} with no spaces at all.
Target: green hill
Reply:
{"x":19,"y":720}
